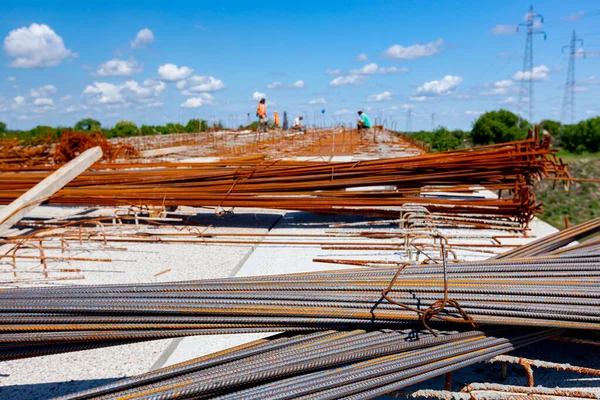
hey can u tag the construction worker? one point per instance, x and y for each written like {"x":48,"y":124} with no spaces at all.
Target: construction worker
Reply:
{"x":363,"y":121}
{"x":261,"y":113}
{"x":298,"y":125}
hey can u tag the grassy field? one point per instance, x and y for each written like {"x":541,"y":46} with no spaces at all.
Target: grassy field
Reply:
{"x":581,"y":202}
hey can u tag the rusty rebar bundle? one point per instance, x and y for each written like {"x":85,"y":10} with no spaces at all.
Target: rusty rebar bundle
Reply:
{"x":445,"y":183}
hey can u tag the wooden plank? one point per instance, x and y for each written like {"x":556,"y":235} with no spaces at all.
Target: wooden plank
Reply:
{"x":164,"y":151}
{"x":29,"y":200}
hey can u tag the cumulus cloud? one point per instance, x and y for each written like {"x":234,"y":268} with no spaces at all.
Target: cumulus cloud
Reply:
{"x":415,"y":51}
{"x":12,"y":79}
{"x":18,"y":101}
{"x":320,"y":100}
{"x":200,"y":84}
{"x":37,"y":46}
{"x":407,"y":106}
{"x":373,"y":68}
{"x":130,"y":91}
{"x":170,"y":72}
{"x":275,"y":85}
{"x":504,"y":30}
{"x":116,"y":67}
{"x":333,"y":72}
{"x":443,"y":87}
{"x":349,"y":80}
{"x":43,"y":91}
{"x":66,"y":98}
{"x":536,"y":74}
{"x":362,"y":57}
{"x":384,"y":96}
{"x":143,"y":39}
{"x":499,"y":88}
{"x":43,"y":101}
{"x":256,"y":96}
{"x":508,"y":100}
{"x":473,"y":113}
{"x":299,"y":84}
{"x":198,"y":101}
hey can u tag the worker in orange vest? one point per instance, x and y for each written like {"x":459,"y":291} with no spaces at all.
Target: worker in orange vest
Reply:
{"x":261,"y":113}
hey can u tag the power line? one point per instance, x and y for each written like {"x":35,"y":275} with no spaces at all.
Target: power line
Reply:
{"x":532,"y":24}
{"x":569,"y":98}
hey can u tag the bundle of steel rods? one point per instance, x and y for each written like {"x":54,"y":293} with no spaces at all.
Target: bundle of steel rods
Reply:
{"x":323,"y":365}
{"x":319,"y":186}
{"x":557,"y":292}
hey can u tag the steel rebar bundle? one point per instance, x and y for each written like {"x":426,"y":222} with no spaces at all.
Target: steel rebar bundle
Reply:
{"x":322,"y":365}
{"x":557,"y":292}
{"x":319,"y":186}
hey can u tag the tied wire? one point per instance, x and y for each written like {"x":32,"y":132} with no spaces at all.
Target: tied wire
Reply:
{"x":437,"y":307}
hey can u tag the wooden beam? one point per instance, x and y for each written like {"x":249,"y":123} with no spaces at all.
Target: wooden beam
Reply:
{"x":29,"y":200}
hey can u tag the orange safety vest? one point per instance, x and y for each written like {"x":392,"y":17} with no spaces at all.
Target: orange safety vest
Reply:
{"x":262,"y":110}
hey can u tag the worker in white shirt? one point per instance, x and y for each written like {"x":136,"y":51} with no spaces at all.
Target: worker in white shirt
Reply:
{"x":298,"y":125}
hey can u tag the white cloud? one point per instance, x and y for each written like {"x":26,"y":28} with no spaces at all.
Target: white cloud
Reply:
{"x":591,"y":112}
{"x":299,"y":84}
{"x":574,"y":17}
{"x":66,"y":98}
{"x":12,"y":79}
{"x":200,"y":84}
{"x":104,"y":93}
{"x":43,"y":101}
{"x":35,"y":47}
{"x":320,"y":100}
{"x":443,"y":87}
{"x":504,"y":30}
{"x":19,"y":101}
{"x":143,"y":38}
{"x":384,"y":96}
{"x":407,"y":106}
{"x":415,"y":51}
{"x":275,"y":85}
{"x":116,"y":67}
{"x":349,"y":80}
{"x":392,"y":69}
{"x":473,"y":113}
{"x":367,"y":69}
{"x":343,"y":111}
{"x":373,"y":68}
{"x":130,"y":91}
{"x":256,"y":96}
{"x":170,"y":72}
{"x":333,"y":72}
{"x":499,"y":88}
{"x":199,"y":101}
{"x":43,"y":91}
{"x":362,"y":57}
{"x":181,"y":84}
{"x":537,"y":74}
{"x":508,"y":100}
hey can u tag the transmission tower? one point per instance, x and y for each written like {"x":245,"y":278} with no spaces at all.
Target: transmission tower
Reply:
{"x":432,"y":121}
{"x":527,"y":75}
{"x":409,"y":120}
{"x":569,"y":99}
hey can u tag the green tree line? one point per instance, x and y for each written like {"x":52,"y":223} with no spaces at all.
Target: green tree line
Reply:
{"x":504,"y":126}
{"x":121,"y":129}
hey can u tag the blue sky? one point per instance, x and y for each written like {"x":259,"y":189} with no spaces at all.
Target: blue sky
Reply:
{"x":152,"y":62}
